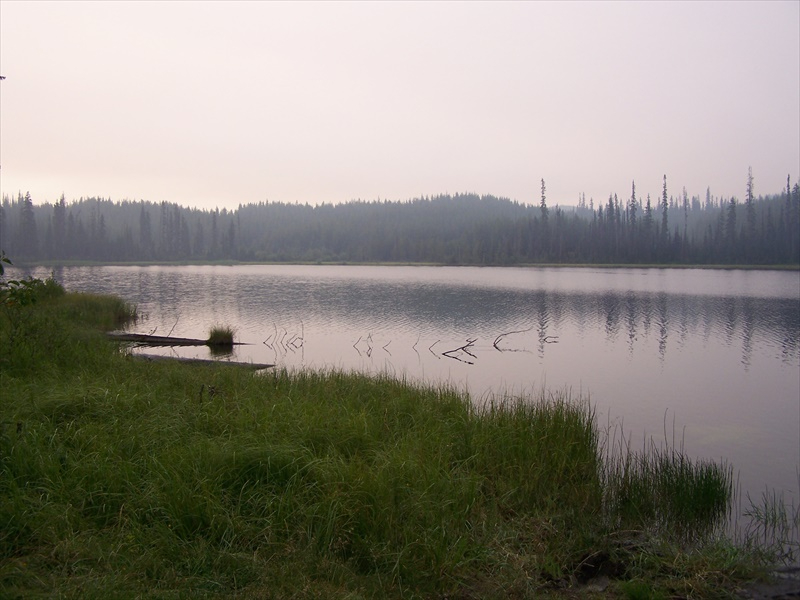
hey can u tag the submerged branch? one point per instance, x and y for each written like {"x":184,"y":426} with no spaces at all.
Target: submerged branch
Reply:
{"x":502,"y":335}
{"x":465,"y":349}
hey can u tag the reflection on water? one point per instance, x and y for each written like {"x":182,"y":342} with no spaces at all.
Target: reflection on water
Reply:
{"x":268,"y":304}
{"x":717,"y":350}
{"x":352,"y":299}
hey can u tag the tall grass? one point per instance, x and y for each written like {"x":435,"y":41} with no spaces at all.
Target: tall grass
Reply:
{"x":220,"y":335}
{"x":774,"y":526}
{"x":662,"y":489}
{"x":52,"y":328}
{"x":123,"y":478}
{"x":220,"y":341}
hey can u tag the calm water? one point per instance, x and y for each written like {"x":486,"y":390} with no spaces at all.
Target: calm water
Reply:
{"x":712,"y":357}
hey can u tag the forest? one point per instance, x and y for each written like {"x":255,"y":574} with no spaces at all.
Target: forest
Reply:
{"x":460,"y":229}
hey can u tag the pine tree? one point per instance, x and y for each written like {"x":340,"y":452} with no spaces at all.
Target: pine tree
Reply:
{"x":59,"y":227}
{"x":664,"y":220}
{"x":730,"y":230}
{"x":543,"y":205}
{"x":685,"y":221}
{"x":632,"y":207}
{"x":29,"y":239}
{"x":3,"y":229}
{"x":544,"y":247}
{"x":145,"y":233}
{"x":750,"y":212}
{"x":213,"y":250}
{"x":795,"y":224}
{"x":199,"y":245}
{"x":750,"y":204}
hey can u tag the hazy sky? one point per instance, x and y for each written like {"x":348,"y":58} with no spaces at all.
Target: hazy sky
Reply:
{"x":219,"y":103}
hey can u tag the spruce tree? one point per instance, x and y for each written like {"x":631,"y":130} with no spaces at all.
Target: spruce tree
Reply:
{"x":664,"y":220}
{"x":59,"y":228}
{"x":29,"y":239}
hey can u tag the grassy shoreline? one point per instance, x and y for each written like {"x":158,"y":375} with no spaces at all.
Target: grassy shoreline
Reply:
{"x":120,"y":478}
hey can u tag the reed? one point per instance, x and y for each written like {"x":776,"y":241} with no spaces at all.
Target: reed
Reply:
{"x":124,"y":478}
{"x":660,"y":487}
{"x":774,"y":525}
{"x":220,"y":336}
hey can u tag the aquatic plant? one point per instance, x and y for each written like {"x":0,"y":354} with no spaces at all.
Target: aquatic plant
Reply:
{"x":661,"y":489}
{"x":220,"y":335}
{"x":774,"y":525}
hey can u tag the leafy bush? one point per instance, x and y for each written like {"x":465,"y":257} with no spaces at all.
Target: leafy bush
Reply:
{"x":21,"y":292}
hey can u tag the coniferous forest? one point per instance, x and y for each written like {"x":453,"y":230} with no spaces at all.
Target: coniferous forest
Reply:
{"x":460,"y":229}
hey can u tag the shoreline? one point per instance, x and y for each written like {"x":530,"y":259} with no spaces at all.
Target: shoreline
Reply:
{"x":232,"y":263}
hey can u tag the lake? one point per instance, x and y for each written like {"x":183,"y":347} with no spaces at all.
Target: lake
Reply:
{"x":706,"y":359}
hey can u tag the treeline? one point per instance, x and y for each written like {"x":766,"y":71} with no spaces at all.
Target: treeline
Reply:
{"x":457,"y":229}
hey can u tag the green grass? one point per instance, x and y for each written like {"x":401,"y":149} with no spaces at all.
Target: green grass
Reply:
{"x":120,"y":478}
{"x":661,"y":488}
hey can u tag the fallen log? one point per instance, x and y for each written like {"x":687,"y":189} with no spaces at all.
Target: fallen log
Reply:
{"x":159,"y":340}
{"x":200,"y":361}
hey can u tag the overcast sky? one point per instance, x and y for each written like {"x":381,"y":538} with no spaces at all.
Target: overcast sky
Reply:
{"x":220,"y":103}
